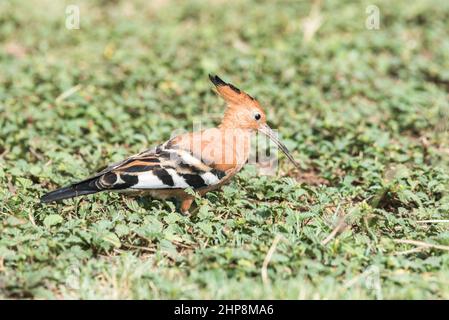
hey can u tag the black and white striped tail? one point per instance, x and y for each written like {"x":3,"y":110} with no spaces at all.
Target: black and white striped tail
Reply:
{"x":162,"y":168}
{"x":75,"y":190}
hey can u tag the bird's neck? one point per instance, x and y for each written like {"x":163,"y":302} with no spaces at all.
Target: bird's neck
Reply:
{"x":232,"y":118}
{"x":237,"y":143}
{"x":227,"y":147}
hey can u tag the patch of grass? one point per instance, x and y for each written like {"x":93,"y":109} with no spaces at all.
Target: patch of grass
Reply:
{"x":365,"y":112}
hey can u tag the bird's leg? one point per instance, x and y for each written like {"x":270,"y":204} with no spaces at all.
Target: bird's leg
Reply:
{"x":185,"y":205}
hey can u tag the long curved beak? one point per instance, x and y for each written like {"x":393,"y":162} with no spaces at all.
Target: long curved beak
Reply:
{"x":266,"y":130}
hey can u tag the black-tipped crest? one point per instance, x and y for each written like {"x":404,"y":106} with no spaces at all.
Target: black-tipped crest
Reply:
{"x":218,"y":82}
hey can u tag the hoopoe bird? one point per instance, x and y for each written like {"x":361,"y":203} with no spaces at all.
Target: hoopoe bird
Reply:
{"x":202,"y":160}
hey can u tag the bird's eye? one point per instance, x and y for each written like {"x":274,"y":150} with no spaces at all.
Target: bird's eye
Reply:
{"x":257,"y":116}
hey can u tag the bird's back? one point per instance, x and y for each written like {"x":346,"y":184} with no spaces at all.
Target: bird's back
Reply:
{"x":201,"y":160}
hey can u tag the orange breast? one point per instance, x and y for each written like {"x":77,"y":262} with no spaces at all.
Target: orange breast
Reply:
{"x":221,"y":148}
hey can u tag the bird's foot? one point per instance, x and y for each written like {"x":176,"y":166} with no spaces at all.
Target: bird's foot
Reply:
{"x":185,"y":205}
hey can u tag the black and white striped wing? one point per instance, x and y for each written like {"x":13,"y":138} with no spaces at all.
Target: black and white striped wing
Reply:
{"x":160,"y":168}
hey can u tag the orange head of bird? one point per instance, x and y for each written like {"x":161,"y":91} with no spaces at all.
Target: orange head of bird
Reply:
{"x":244,"y":112}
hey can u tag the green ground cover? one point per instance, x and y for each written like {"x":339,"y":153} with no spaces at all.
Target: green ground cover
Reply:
{"x":364,"y":111}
